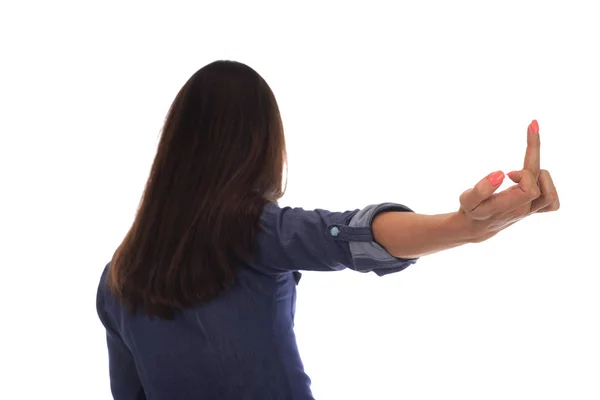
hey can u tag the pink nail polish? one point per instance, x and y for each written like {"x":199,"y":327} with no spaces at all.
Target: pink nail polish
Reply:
{"x":496,"y":178}
{"x":535,"y":128}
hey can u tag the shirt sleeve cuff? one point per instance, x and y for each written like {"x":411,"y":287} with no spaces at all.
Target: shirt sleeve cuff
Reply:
{"x":363,"y":219}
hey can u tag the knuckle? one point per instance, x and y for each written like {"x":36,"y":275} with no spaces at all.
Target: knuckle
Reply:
{"x":551,"y":198}
{"x":463,"y":197}
{"x":533,"y":192}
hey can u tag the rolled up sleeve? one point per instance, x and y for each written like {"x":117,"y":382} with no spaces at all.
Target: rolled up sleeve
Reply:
{"x":367,"y":254}
{"x":294,"y":239}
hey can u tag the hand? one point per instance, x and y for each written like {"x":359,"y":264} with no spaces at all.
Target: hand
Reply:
{"x":486,"y":213}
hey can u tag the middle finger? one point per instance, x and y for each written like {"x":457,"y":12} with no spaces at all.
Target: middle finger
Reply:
{"x":532,"y":153}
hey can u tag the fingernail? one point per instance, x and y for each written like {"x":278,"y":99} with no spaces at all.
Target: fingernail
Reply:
{"x":535,"y":128}
{"x":496,"y":178}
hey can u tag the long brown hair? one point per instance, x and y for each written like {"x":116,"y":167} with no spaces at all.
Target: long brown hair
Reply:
{"x":220,"y":159}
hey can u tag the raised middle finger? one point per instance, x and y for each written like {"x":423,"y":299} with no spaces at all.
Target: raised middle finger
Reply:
{"x":532,"y":153}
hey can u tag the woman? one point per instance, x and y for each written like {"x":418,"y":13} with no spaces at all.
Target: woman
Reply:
{"x":198,"y":301}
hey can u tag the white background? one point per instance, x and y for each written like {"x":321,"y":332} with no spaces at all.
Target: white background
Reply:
{"x":381,"y":102}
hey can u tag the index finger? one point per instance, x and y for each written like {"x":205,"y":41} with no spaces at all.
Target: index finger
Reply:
{"x":532,"y":154}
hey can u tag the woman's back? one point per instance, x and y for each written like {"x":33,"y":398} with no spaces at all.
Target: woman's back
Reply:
{"x":241,"y":345}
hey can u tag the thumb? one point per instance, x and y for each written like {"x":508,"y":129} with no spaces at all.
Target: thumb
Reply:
{"x":482,"y":191}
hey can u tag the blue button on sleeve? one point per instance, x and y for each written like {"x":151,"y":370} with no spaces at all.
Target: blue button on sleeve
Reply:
{"x":293,"y":239}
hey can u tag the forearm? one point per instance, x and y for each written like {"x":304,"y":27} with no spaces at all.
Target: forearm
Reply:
{"x":411,"y":235}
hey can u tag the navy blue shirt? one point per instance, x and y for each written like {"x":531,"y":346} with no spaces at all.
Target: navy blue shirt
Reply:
{"x":241,"y":345}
